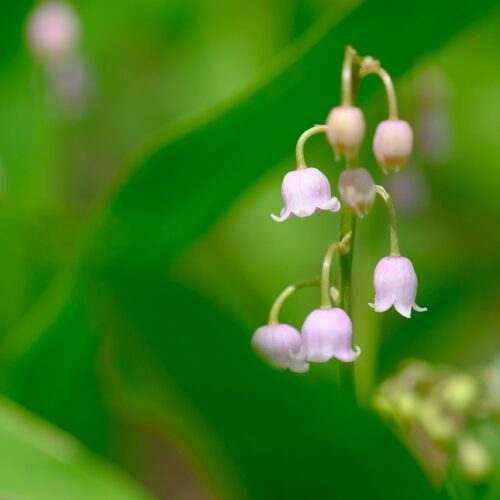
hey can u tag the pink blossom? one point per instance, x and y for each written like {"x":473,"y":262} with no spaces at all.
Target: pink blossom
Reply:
{"x":306,"y":191}
{"x":326,"y":334}
{"x":280,"y":345}
{"x":395,"y":285}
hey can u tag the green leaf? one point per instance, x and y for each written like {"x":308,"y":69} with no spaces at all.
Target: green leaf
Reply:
{"x":40,"y":462}
{"x":191,"y":174}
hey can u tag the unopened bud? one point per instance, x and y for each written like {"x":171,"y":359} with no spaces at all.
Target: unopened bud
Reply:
{"x":357,"y":190}
{"x":438,"y":426}
{"x":346,"y":129}
{"x":474,"y":459}
{"x":460,"y":391}
{"x":392,"y":144}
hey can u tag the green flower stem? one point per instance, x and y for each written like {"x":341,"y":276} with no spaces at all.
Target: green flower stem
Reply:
{"x":392,"y":220}
{"x":326,"y":301}
{"x":289,"y":290}
{"x":350,"y":59}
{"x":299,"y":149}
{"x":347,"y":227}
{"x":371,"y":66}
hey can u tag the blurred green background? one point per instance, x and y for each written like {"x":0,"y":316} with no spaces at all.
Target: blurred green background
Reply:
{"x":138,"y":254}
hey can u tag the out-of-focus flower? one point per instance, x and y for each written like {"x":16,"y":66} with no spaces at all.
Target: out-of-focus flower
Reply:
{"x":409,"y":190}
{"x":459,"y":391}
{"x":346,"y":129}
{"x":280,"y":345}
{"x":53,"y":30}
{"x":70,"y":86}
{"x":306,"y":191}
{"x":357,"y":190}
{"x":474,"y":459}
{"x":392,"y":144}
{"x":326,"y":334}
{"x":433,"y":121}
{"x":395,"y":285}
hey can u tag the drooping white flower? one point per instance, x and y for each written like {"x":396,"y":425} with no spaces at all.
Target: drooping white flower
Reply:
{"x":326,"y":334}
{"x":306,"y":191}
{"x":395,"y":285}
{"x":280,"y":345}
{"x":392,"y":144}
{"x":346,"y":129}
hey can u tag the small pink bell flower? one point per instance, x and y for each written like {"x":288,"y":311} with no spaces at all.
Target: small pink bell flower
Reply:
{"x":306,"y":191}
{"x":392,"y":144}
{"x":395,"y":285}
{"x":280,"y":345}
{"x":326,"y":334}
{"x":53,"y":30}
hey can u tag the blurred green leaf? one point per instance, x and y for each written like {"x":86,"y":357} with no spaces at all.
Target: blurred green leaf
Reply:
{"x":285,"y":436}
{"x":189,"y":175}
{"x":39,"y":462}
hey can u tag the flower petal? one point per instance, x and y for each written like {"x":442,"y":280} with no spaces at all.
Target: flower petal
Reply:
{"x":419,"y":309}
{"x":403,"y":309}
{"x":285,"y":214}
{"x":332,"y":205}
{"x":298,"y":362}
{"x":384,"y":303}
{"x":349,"y":356}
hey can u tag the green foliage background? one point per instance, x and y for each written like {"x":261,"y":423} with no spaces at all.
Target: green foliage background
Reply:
{"x":138,"y":254}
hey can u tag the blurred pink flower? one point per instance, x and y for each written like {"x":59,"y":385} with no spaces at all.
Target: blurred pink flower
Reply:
{"x":53,"y":30}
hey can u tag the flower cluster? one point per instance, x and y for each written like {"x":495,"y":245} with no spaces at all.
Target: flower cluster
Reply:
{"x":327,"y":331}
{"x":438,"y":410}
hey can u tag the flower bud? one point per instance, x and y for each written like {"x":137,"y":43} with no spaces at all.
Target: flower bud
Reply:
{"x":280,"y":345}
{"x":459,"y":392}
{"x":474,"y":459}
{"x":395,"y":285}
{"x":392,"y":144}
{"x":327,"y":333}
{"x":440,"y":427}
{"x":346,"y":129}
{"x":357,"y":190}
{"x":306,"y":191}
{"x":52,"y":30}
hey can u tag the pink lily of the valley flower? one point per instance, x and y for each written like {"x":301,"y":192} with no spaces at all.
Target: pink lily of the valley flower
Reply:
{"x":395,"y":285}
{"x":280,"y":345}
{"x":306,"y":191}
{"x":327,"y":334}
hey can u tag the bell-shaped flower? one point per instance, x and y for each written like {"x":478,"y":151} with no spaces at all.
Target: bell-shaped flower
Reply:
{"x":395,"y":285}
{"x":281,"y":346}
{"x":306,"y":191}
{"x":392,"y":144}
{"x":326,"y":334}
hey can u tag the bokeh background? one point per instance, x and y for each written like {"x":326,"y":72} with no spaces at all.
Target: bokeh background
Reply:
{"x":137,"y":255}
